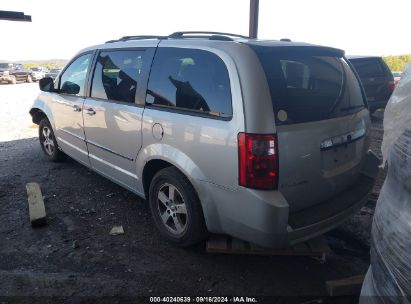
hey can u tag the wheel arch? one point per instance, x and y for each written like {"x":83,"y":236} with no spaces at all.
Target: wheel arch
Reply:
{"x":150,"y":169}
{"x":171,"y":157}
{"x":159,"y":155}
{"x":40,"y":110}
{"x":37,"y":115}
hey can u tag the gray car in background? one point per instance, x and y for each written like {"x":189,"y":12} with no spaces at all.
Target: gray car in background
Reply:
{"x":53,"y":73}
{"x":266,"y":141}
{"x":38,"y":73}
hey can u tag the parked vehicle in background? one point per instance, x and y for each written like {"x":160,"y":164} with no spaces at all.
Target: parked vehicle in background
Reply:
{"x":14,"y":72}
{"x":396,"y":74}
{"x":38,"y":73}
{"x":376,"y":78}
{"x":266,"y":141}
{"x":397,"y":77}
{"x":52,"y":73}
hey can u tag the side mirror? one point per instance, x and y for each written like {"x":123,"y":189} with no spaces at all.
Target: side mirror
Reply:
{"x":69,"y":87}
{"x":47,"y":84}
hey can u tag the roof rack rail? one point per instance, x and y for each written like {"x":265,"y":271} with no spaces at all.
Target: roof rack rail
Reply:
{"x":140,"y":37}
{"x":200,"y":34}
{"x":188,"y":34}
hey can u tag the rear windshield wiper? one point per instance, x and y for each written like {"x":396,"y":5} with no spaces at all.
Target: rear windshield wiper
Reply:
{"x":352,"y":108}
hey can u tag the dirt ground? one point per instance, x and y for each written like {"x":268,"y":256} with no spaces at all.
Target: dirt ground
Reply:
{"x":74,"y":257}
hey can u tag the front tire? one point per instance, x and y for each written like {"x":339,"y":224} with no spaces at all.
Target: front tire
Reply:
{"x":48,"y":142}
{"x":176,"y":208}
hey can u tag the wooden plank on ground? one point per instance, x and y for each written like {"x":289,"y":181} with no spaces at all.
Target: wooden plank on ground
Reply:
{"x":225,"y":244}
{"x":345,"y":287}
{"x":37,"y":211}
{"x":301,"y":247}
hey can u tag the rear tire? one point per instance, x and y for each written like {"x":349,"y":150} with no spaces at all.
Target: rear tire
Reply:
{"x":176,"y":208}
{"x":48,"y":142}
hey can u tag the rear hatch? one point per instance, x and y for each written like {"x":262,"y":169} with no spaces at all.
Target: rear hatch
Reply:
{"x":321,"y":121}
{"x":376,"y":78}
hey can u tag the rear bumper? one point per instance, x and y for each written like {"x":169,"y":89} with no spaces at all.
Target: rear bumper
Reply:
{"x":321,"y":218}
{"x":263,"y":218}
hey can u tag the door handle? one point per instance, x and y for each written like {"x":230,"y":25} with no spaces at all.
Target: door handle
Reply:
{"x":76,"y":108}
{"x":90,"y":111}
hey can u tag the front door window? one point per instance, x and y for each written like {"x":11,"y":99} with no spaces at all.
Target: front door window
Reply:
{"x":73,"y":79}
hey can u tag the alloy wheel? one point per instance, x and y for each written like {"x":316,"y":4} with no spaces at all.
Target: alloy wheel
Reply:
{"x":172,"y":209}
{"x":48,"y":142}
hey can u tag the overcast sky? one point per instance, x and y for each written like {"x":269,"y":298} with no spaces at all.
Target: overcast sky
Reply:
{"x":61,"y":28}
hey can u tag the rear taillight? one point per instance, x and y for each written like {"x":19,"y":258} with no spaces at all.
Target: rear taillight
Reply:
{"x":258,"y":161}
{"x":391,"y":85}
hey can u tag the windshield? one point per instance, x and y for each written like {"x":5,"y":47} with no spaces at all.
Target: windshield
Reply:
{"x":35,"y":69}
{"x":309,"y":87}
{"x":54,"y":71}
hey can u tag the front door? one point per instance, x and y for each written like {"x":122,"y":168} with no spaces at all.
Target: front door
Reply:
{"x":67,"y":108}
{"x":113,"y":113}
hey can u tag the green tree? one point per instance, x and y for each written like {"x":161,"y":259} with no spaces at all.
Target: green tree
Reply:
{"x":397,"y":63}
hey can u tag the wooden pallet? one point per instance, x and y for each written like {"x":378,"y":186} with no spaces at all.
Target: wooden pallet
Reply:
{"x":345,"y":287}
{"x":317,"y":247}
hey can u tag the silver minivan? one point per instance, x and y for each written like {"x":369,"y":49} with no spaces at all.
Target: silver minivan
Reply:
{"x":266,"y":141}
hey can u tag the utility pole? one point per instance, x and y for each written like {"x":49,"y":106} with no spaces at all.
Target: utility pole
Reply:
{"x":14,"y":16}
{"x":253,"y":28}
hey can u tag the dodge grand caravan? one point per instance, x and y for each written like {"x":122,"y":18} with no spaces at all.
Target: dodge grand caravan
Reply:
{"x":266,"y":141}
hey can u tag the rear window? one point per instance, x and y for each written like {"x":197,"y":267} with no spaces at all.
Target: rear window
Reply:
{"x":310,"y":86}
{"x":368,"y":67}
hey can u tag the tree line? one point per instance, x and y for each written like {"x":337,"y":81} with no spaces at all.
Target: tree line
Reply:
{"x":48,"y":64}
{"x":397,"y":63}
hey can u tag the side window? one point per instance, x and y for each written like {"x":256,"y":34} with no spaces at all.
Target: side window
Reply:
{"x":188,"y":79}
{"x":116,"y":75}
{"x":73,"y":79}
{"x":296,"y":74}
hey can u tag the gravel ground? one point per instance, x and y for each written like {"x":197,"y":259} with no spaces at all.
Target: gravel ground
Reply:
{"x":74,"y":256}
